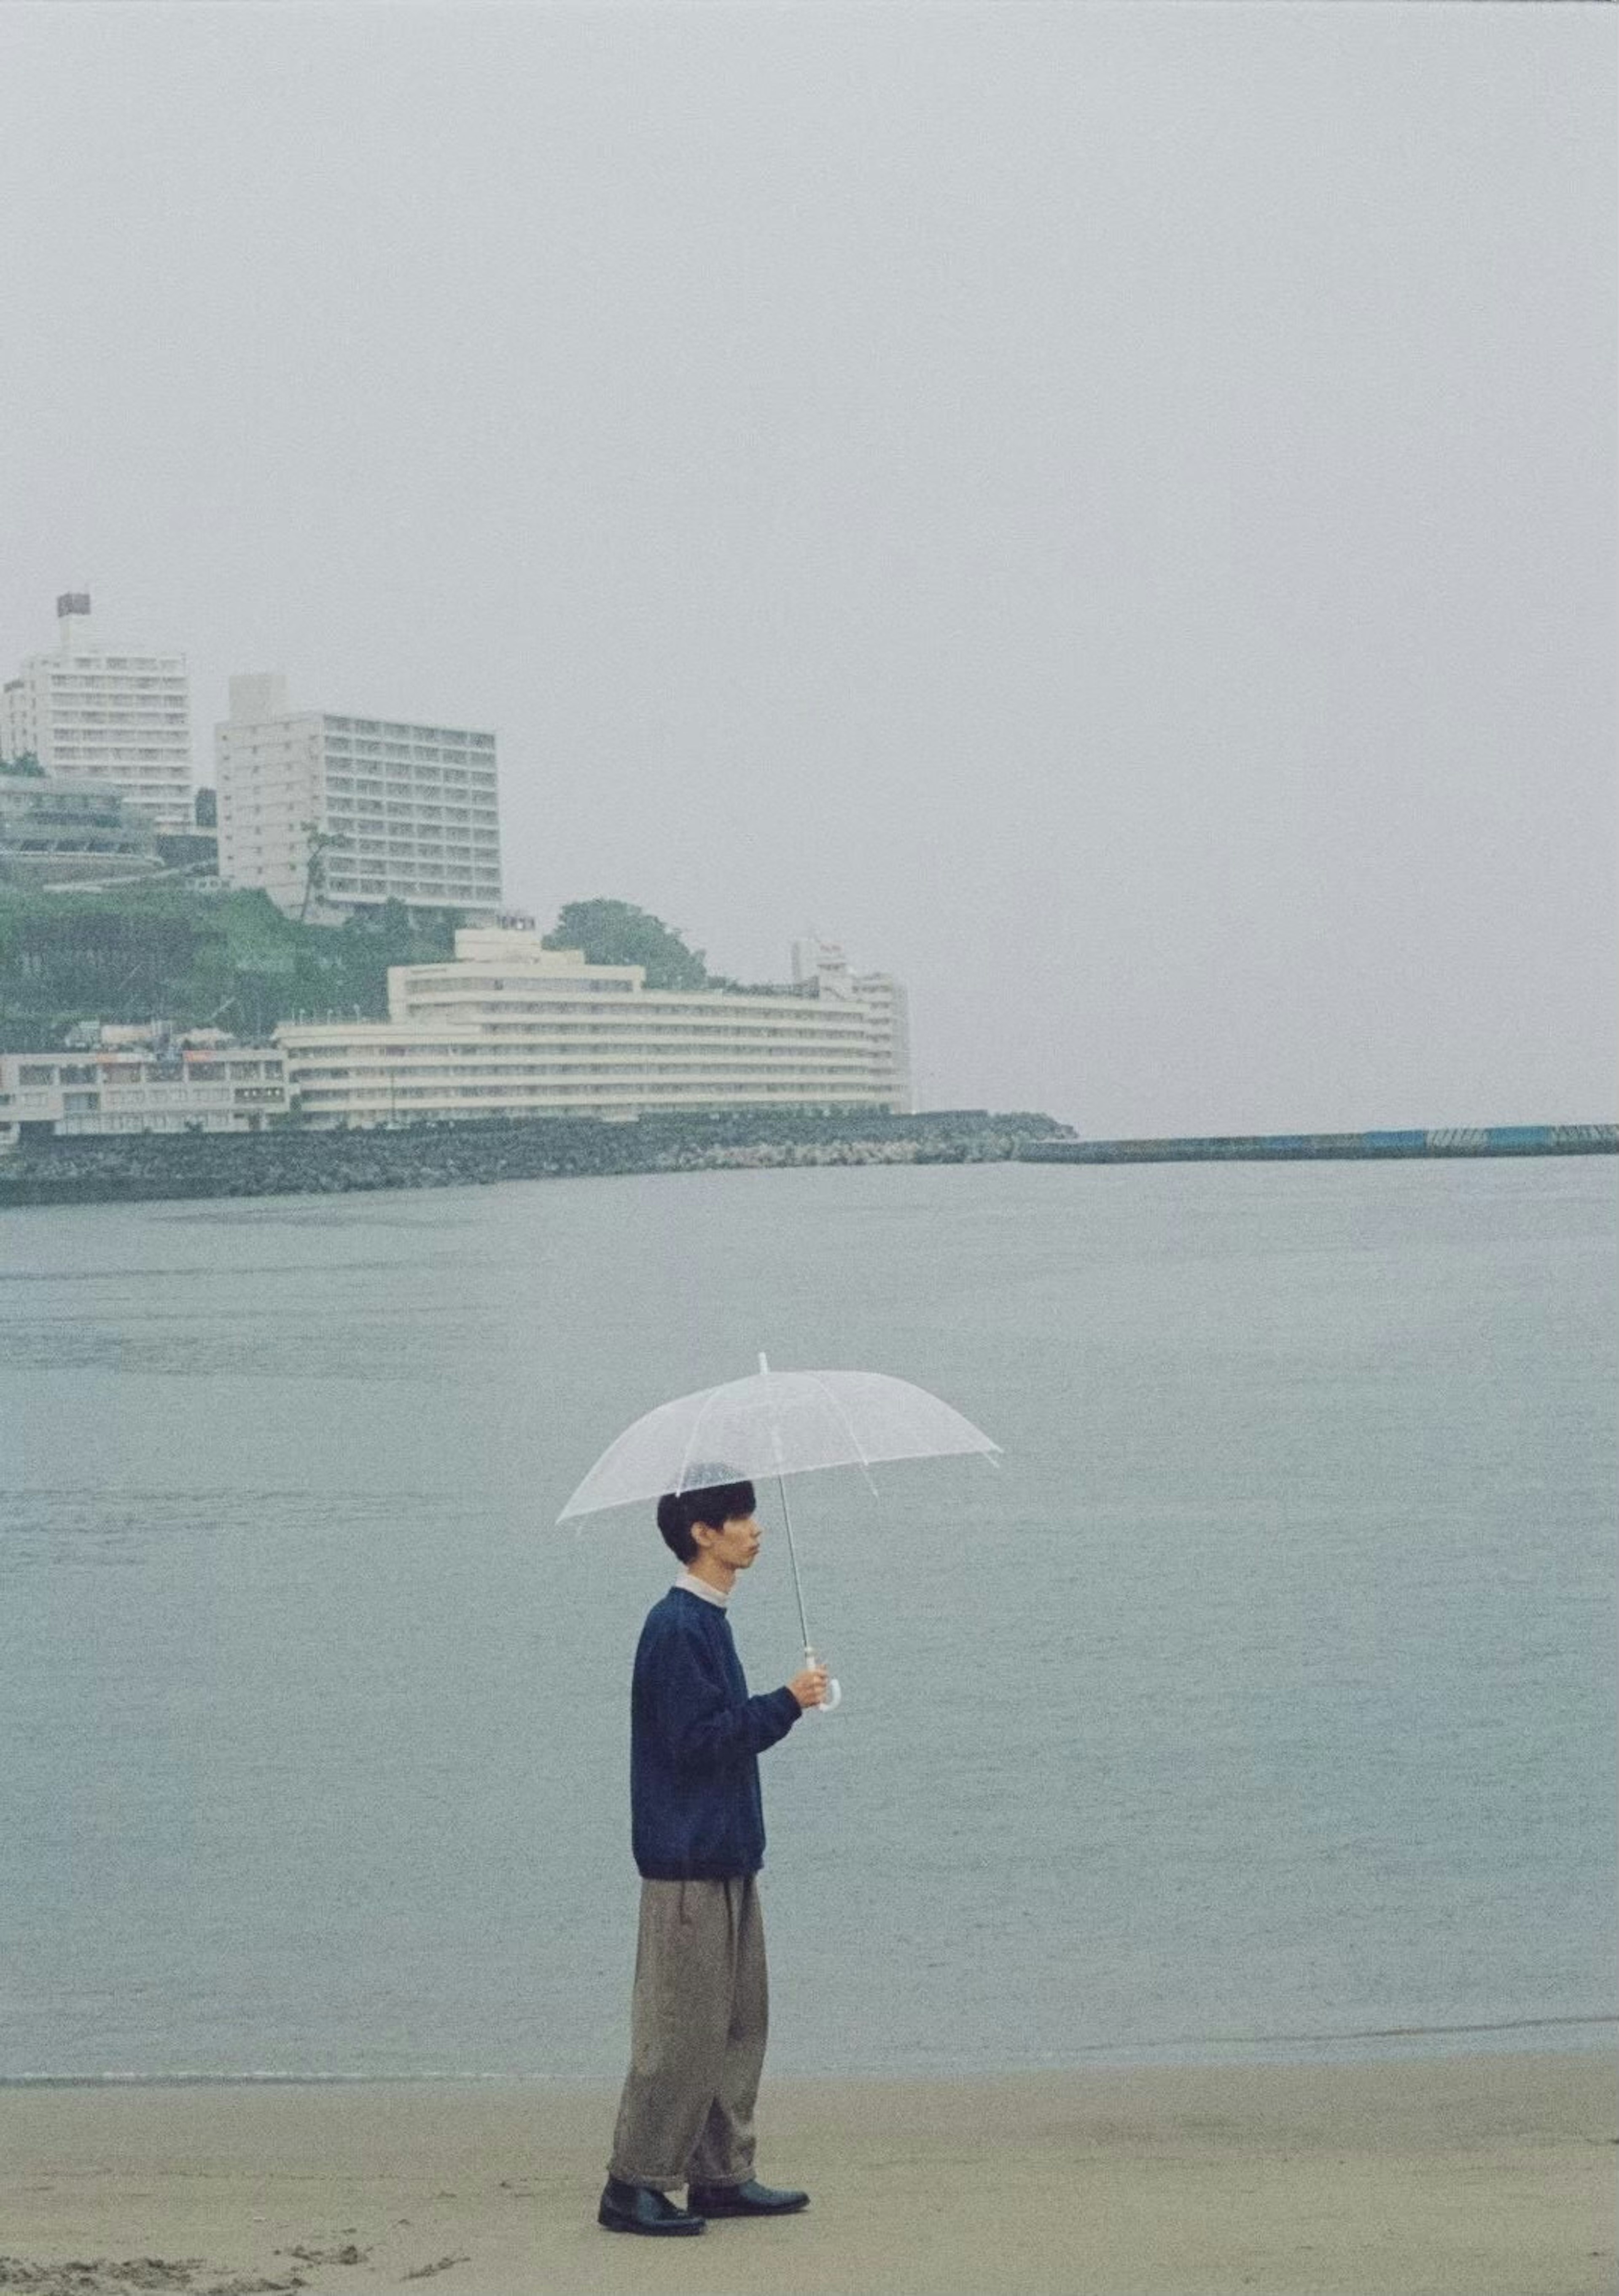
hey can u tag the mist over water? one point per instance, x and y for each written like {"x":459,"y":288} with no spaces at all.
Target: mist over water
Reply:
{"x":1262,"y":1698}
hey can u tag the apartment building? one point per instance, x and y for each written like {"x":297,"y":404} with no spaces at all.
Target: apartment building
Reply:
{"x":331,"y":813}
{"x":115,"y":718}
{"x":510,"y":1029}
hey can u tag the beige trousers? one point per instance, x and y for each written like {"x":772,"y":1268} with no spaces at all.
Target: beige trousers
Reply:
{"x":697,"y":2037}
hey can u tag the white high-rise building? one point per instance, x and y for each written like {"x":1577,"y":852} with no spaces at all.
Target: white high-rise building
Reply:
{"x":331,"y":813}
{"x":117,"y":718}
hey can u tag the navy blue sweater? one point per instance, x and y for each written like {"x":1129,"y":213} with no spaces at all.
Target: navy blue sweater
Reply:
{"x":695,"y":1739}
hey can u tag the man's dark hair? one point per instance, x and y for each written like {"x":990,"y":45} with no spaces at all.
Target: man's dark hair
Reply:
{"x":713,"y":1500}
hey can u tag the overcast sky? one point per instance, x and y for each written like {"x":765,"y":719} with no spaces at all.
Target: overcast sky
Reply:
{"x":1108,"y":511}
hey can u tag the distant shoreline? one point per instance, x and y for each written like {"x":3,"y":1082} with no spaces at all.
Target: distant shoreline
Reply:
{"x":147,"y":1167}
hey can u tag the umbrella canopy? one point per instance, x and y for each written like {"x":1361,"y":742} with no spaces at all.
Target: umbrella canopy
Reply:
{"x":774,"y":1424}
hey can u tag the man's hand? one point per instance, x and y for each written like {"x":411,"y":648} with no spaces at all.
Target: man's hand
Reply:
{"x":809,"y":1688}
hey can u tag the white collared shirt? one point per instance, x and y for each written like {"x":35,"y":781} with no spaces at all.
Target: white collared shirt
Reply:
{"x":692,"y":1585}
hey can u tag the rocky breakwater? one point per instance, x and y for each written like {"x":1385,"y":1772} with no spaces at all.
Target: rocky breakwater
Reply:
{"x":146,"y":1167}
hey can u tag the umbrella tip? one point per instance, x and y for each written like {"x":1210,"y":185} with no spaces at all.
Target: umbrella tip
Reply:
{"x":763,"y":1360}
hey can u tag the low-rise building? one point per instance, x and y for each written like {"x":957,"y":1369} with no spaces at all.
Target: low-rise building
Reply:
{"x":131,"y":1086}
{"x":511,"y":1028}
{"x":71,"y":832}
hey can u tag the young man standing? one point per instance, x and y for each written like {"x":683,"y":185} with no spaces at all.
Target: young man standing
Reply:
{"x":698,"y":2017}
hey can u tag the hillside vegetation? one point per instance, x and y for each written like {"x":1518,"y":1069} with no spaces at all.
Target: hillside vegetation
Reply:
{"x":233,"y":961}
{"x":163,"y":952}
{"x":616,"y":932}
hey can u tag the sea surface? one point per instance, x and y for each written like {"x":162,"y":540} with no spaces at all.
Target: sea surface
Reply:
{"x":1261,"y":1703}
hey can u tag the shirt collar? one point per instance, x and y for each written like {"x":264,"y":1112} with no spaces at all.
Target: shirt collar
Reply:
{"x":700,"y":1587}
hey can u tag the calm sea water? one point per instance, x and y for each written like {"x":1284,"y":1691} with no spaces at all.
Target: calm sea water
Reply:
{"x":1261,"y":1702}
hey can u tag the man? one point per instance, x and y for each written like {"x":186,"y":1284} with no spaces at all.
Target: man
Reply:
{"x":698,"y":2022}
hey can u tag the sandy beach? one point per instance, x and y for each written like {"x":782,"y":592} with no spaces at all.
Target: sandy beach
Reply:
{"x":1477,"y":2174}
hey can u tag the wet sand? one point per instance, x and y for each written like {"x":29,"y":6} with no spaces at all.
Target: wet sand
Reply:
{"x":1477,"y":2175}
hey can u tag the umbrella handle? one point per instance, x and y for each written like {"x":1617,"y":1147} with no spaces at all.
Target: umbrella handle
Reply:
{"x":834,"y":1688}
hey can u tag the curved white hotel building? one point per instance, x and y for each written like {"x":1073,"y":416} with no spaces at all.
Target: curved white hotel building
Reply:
{"x":511,"y":1028}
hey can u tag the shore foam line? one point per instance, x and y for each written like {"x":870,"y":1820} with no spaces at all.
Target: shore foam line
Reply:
{"x":1120,"y":2057}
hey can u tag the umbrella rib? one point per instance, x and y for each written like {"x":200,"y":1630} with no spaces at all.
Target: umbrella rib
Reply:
{"x":865,"y":1464}
{"x":680,"y":1479}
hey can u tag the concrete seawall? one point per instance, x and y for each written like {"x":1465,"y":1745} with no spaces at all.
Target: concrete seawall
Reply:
{"x":154,"y":1167}
{"x":1306,"y":1147}
{"x":148,"y":1167}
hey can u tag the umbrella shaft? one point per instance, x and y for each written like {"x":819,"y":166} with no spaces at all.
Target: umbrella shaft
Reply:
{"x":787,"y":1517}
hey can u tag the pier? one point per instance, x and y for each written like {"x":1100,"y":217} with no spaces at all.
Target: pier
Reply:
{"x":1309,"y":1147}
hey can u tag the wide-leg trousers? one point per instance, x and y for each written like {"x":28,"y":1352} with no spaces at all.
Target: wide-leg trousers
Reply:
{"x":697,"y":2027}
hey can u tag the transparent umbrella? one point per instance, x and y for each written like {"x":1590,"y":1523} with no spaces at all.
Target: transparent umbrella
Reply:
{"x":777,"y":1424}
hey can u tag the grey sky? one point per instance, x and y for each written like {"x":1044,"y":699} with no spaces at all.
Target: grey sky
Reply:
{"x":1109,"y":511}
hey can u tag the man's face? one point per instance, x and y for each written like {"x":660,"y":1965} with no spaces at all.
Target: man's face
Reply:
{"x":735,"y":1543}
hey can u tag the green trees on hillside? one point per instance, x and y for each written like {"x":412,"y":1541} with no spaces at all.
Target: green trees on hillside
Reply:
{"x":167,"y":951}
{"x":616,"y":932}
{"x":161,"y":952}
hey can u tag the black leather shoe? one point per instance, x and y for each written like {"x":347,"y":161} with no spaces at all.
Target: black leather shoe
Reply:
{"x":749,"y":2200}
{"x":636,"y":2208}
